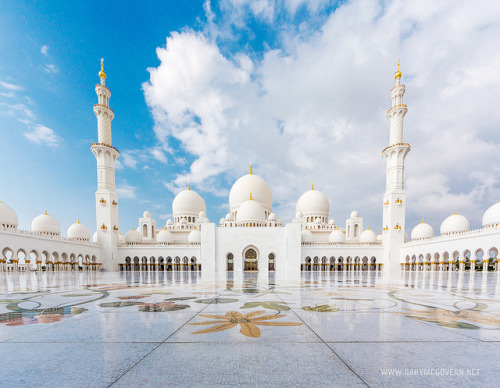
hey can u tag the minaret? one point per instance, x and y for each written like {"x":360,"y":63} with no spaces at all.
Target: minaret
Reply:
{"x":395,"y":195}
{"x":105,"y":196}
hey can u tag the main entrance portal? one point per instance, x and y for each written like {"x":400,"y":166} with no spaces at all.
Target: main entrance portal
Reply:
{"x":250,"y":260}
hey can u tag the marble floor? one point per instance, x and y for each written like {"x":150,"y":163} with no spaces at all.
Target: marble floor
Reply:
{"x":334,"y":329}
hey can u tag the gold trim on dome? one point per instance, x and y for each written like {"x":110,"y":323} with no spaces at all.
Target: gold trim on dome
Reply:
{"x":102,"y":74}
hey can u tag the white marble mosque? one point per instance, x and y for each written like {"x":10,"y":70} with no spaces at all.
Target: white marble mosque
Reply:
{"x":251,"y":237}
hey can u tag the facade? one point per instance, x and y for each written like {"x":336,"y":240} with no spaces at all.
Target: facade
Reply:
{"x":251,"y":237}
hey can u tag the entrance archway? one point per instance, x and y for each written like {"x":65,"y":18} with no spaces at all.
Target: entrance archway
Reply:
{"x":250,"y":262}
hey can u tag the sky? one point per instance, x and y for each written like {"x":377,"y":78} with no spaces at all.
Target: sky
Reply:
{"x":201,"y":89}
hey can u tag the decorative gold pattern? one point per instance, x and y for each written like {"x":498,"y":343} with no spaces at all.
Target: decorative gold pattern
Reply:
{"x":247,"y":322}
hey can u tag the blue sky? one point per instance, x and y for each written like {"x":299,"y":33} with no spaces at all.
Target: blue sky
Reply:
{"x":200,"y":89}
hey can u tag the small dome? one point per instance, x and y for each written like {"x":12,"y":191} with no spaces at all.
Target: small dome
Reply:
{"x":354,"y":214}
{"x":164,"y":236}
{"x":228,"y":217}
{"x":202,"y":215}
{"x":78,"y":231}
{"x":313,"y":202}
{"x":299,"y":214}
{"x":221,"y":221}
{"x":121,"y":239}
{"x":491,"y":217}
{"x":247,"y":184}
{"x":133,"y":236}
{"x":45,"y":224}
{"x":368,"y":236}
{"x":95,"y":238}
{"x":331,"y":221}
{"x":272,"y":217}
{"x":188,"y":202}
{"x":194,"y":236}
{"x":170,"y":222}
{"x":422,"y":231}
{"x":455,"y":223}
{"x":306,"y":236}
{"x":380,"y":238}
{"x":146,"y":214}
{"x":8,"y":216}
{"x":251,"y":211}
{"x":336,"y":237}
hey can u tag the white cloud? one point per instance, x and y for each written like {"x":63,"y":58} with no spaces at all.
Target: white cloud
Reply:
{"x":126,"y":191}
{"x":159,"y":155}
{"x":43,"y":135}
{"x":10,"y":86}
{"x":314,"y":109}
{"x":165,"y":216}
{"x":19,"y":110}
{"x":51,"y":68}
{"x":45,"y":50}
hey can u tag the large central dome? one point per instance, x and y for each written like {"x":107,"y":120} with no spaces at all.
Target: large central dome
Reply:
{"x":250,"y":183}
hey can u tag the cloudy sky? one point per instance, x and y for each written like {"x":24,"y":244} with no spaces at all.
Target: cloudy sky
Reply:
{"x":202,"y":88}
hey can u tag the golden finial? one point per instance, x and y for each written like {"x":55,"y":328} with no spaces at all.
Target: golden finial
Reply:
{"x":251,"y":172}
{"x":102,"y":74}
{"x":312,"y":185}
{"x":78,"y":221}
{"x":367,"y":228}
{"x":455,"y":212}
{"x":251,"y":199}
{"x":133,"y":227}
{"x":45,"y":212}
{"x":422,"y":220}
{"x":398,"y":72}
{"x":189,"y":185}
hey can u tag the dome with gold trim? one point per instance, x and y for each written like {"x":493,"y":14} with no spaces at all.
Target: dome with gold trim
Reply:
{"x":8,"y":217}
{"x":247,"y":184}
{"x":45,"y":224}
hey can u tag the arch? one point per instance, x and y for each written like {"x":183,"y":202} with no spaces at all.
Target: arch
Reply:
{"x":144,"y":230}
{"x":144,"y":263}
{"x":169,"y":263}
{"x":137,"y":266}
{"x":356,"y":230}
{"x":230,"y":262}
{"x":21,"y":256}
{"x":373,"y":263}
{"x":271,"y":261}
{"x":250,"y":259}
{"x":161,"y":263}
{"x":128,"y":264}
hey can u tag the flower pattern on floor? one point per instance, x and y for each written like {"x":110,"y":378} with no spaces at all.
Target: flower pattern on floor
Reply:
{"x":247,"y":322}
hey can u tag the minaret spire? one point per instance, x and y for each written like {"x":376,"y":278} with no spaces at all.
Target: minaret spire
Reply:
{"x":105,"y":196}
{"x":394,"y":203}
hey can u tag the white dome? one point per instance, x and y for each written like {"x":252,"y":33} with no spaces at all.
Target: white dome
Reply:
{"x":146,"y":214}
{"x":95,"y":238}
{"x":221,"y":221}
{"x":170,"y":222}
{"x":202,"y":215}
{"x":337,"y":236}
{"x":133,"y":236}
{"x":188,"y":202}
{"x":380,"y":238}
{"x":251,"y":211}
{"x":306,"y":236}
{"x":299,"y":214}
{"x":368,"y":236}
{"x":422,"y":231}
{"x":121,"y":239}
{"x":490,"y":216}
{"x":45,"y":224}
{"x":8,"y":216}
{"x":272,"y":217}
{"x":228,"y":217}
{"x":454,"y":224}
{"x":164,"y":236}
{"x":194,"y":236}
{"x":331,"y":221}
{"x":354,"y":214}
{"x":250,"y":183}
{"x":313,"y":202}
{"x":78,"y":231}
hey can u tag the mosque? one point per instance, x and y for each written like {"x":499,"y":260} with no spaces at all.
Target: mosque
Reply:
{"x":251,"y":237}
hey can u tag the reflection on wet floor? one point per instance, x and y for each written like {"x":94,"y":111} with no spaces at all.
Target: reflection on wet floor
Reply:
{"x":344,"y":325}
